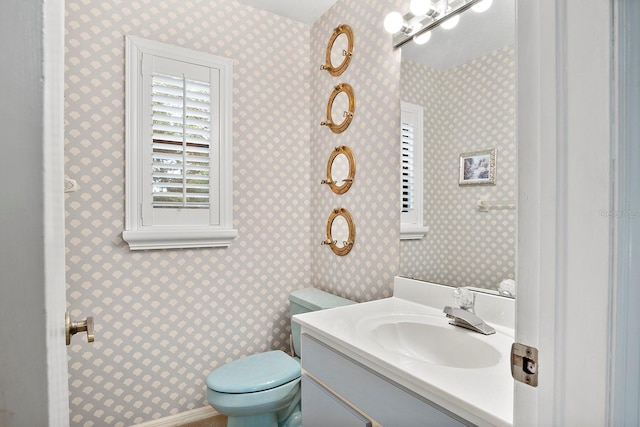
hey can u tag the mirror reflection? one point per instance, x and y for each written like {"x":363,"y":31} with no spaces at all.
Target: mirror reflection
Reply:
{"x":338,"y":50}
{"x":340,"y":108}
{"x":341,"y":170}
{"x":465,"y":80}
{"x":340,"y":231}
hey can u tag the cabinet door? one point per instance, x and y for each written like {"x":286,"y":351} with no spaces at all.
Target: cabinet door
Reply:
{"x":321,"y":408}
{"x":372,"y":394}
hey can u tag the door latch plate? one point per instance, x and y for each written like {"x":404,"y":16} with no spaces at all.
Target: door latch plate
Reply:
{"x":524,"y":364}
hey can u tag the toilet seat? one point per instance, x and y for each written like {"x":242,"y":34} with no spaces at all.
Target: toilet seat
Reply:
{"x":255,"y":373}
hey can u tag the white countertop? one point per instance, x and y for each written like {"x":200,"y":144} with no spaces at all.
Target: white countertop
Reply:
{"x":483,"y":396}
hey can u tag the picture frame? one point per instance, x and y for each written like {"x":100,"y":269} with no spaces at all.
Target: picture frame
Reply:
{"x":478,"y":168}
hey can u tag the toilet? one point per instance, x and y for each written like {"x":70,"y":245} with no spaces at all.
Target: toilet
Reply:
{"x":263,"y":390}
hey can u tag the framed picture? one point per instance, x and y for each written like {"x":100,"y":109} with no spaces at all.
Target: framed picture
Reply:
{"x":478,"y":168}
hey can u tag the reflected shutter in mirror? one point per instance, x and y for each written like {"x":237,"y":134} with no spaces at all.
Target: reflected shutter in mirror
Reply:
{"x":407,"y":170}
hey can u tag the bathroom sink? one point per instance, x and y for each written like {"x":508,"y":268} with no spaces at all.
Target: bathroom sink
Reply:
{"x":430,"y":339}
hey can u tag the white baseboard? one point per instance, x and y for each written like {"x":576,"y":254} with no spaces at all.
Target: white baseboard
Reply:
{"x":181,"y":418}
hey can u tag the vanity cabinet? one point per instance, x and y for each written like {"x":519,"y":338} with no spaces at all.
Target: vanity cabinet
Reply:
{"x":334,"y":383}
{"x":327,"y":408}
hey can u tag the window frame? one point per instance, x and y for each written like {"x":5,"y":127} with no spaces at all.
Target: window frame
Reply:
{"x":412,"y":223}
{"x":219,"y":231}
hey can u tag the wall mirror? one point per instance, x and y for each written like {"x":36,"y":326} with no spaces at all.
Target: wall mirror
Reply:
{"x":465,"y":79}
{"x":341,"y":170}
{"x":339,"y":50}
{"x":340,"y":108}
{"x":341,"y":232}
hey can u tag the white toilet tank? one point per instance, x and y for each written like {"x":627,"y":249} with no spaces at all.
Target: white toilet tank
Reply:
{"x":307,"y":300}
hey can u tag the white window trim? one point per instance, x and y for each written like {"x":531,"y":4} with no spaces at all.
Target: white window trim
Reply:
{"x":412,"y":223}
{"x":137,"y":235}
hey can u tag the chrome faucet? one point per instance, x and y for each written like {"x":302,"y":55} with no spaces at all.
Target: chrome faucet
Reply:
{"x":465,"y":316}
{"x":467,"y":319}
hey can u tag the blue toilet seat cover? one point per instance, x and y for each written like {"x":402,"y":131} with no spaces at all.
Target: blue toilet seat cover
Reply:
{"x":253,"y":373}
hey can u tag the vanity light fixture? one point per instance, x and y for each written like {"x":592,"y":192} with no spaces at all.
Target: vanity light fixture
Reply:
{"x":421,"y":7}
{"x":422,"y":38}
{"x":483,"y":6}
{"x":451,"y":22}
{"x":395,"y":23}
{"x":425,"y":15}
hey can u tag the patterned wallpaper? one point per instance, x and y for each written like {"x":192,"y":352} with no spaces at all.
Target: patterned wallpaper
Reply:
{"x":365,"y":273}
{"x":468,"y":108}
{"x":164,"y":319}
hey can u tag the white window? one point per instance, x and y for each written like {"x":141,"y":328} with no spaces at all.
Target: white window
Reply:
{"x":411,"y":172}
{"x":178,"y":147}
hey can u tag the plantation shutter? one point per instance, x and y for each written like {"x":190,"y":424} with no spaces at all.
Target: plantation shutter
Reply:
{"x":407,"y":167}
{"x":411,"y":172}
{"x":181,"y":143}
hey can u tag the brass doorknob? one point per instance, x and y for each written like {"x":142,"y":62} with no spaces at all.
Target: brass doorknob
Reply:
{"x":73,"y":327}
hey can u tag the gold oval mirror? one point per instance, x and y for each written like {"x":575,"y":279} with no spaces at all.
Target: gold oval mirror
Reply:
{"x":342,"y":102}
{"x":341,"y":170}
{"x":341,"y":232}
{"x":339,"y":50}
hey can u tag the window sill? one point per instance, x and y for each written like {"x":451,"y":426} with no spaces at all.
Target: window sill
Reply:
{"x":412,"y":232}
{"x":178,"y":238}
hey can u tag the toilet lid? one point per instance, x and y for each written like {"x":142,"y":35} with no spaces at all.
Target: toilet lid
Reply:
{"x":258,"y":372}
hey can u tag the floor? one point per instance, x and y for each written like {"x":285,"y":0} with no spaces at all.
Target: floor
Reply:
{"x":217,"y":421}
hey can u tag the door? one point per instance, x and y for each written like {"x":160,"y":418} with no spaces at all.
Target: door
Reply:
{"x":625,"y":376}
{"x":33,"y":370}
{"x":54,"y":237}
{"x":564,"y":243}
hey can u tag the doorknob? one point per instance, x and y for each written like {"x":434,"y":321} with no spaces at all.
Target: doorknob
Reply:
{"x":73,"y":327}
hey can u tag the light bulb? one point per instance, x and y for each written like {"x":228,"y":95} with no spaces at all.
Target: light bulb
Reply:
{"x":451,"y":22}
{"x":482,"y":6}
{"x":422,"y":38}
{"x":393,"y":22}
{"x":419,"y":7}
